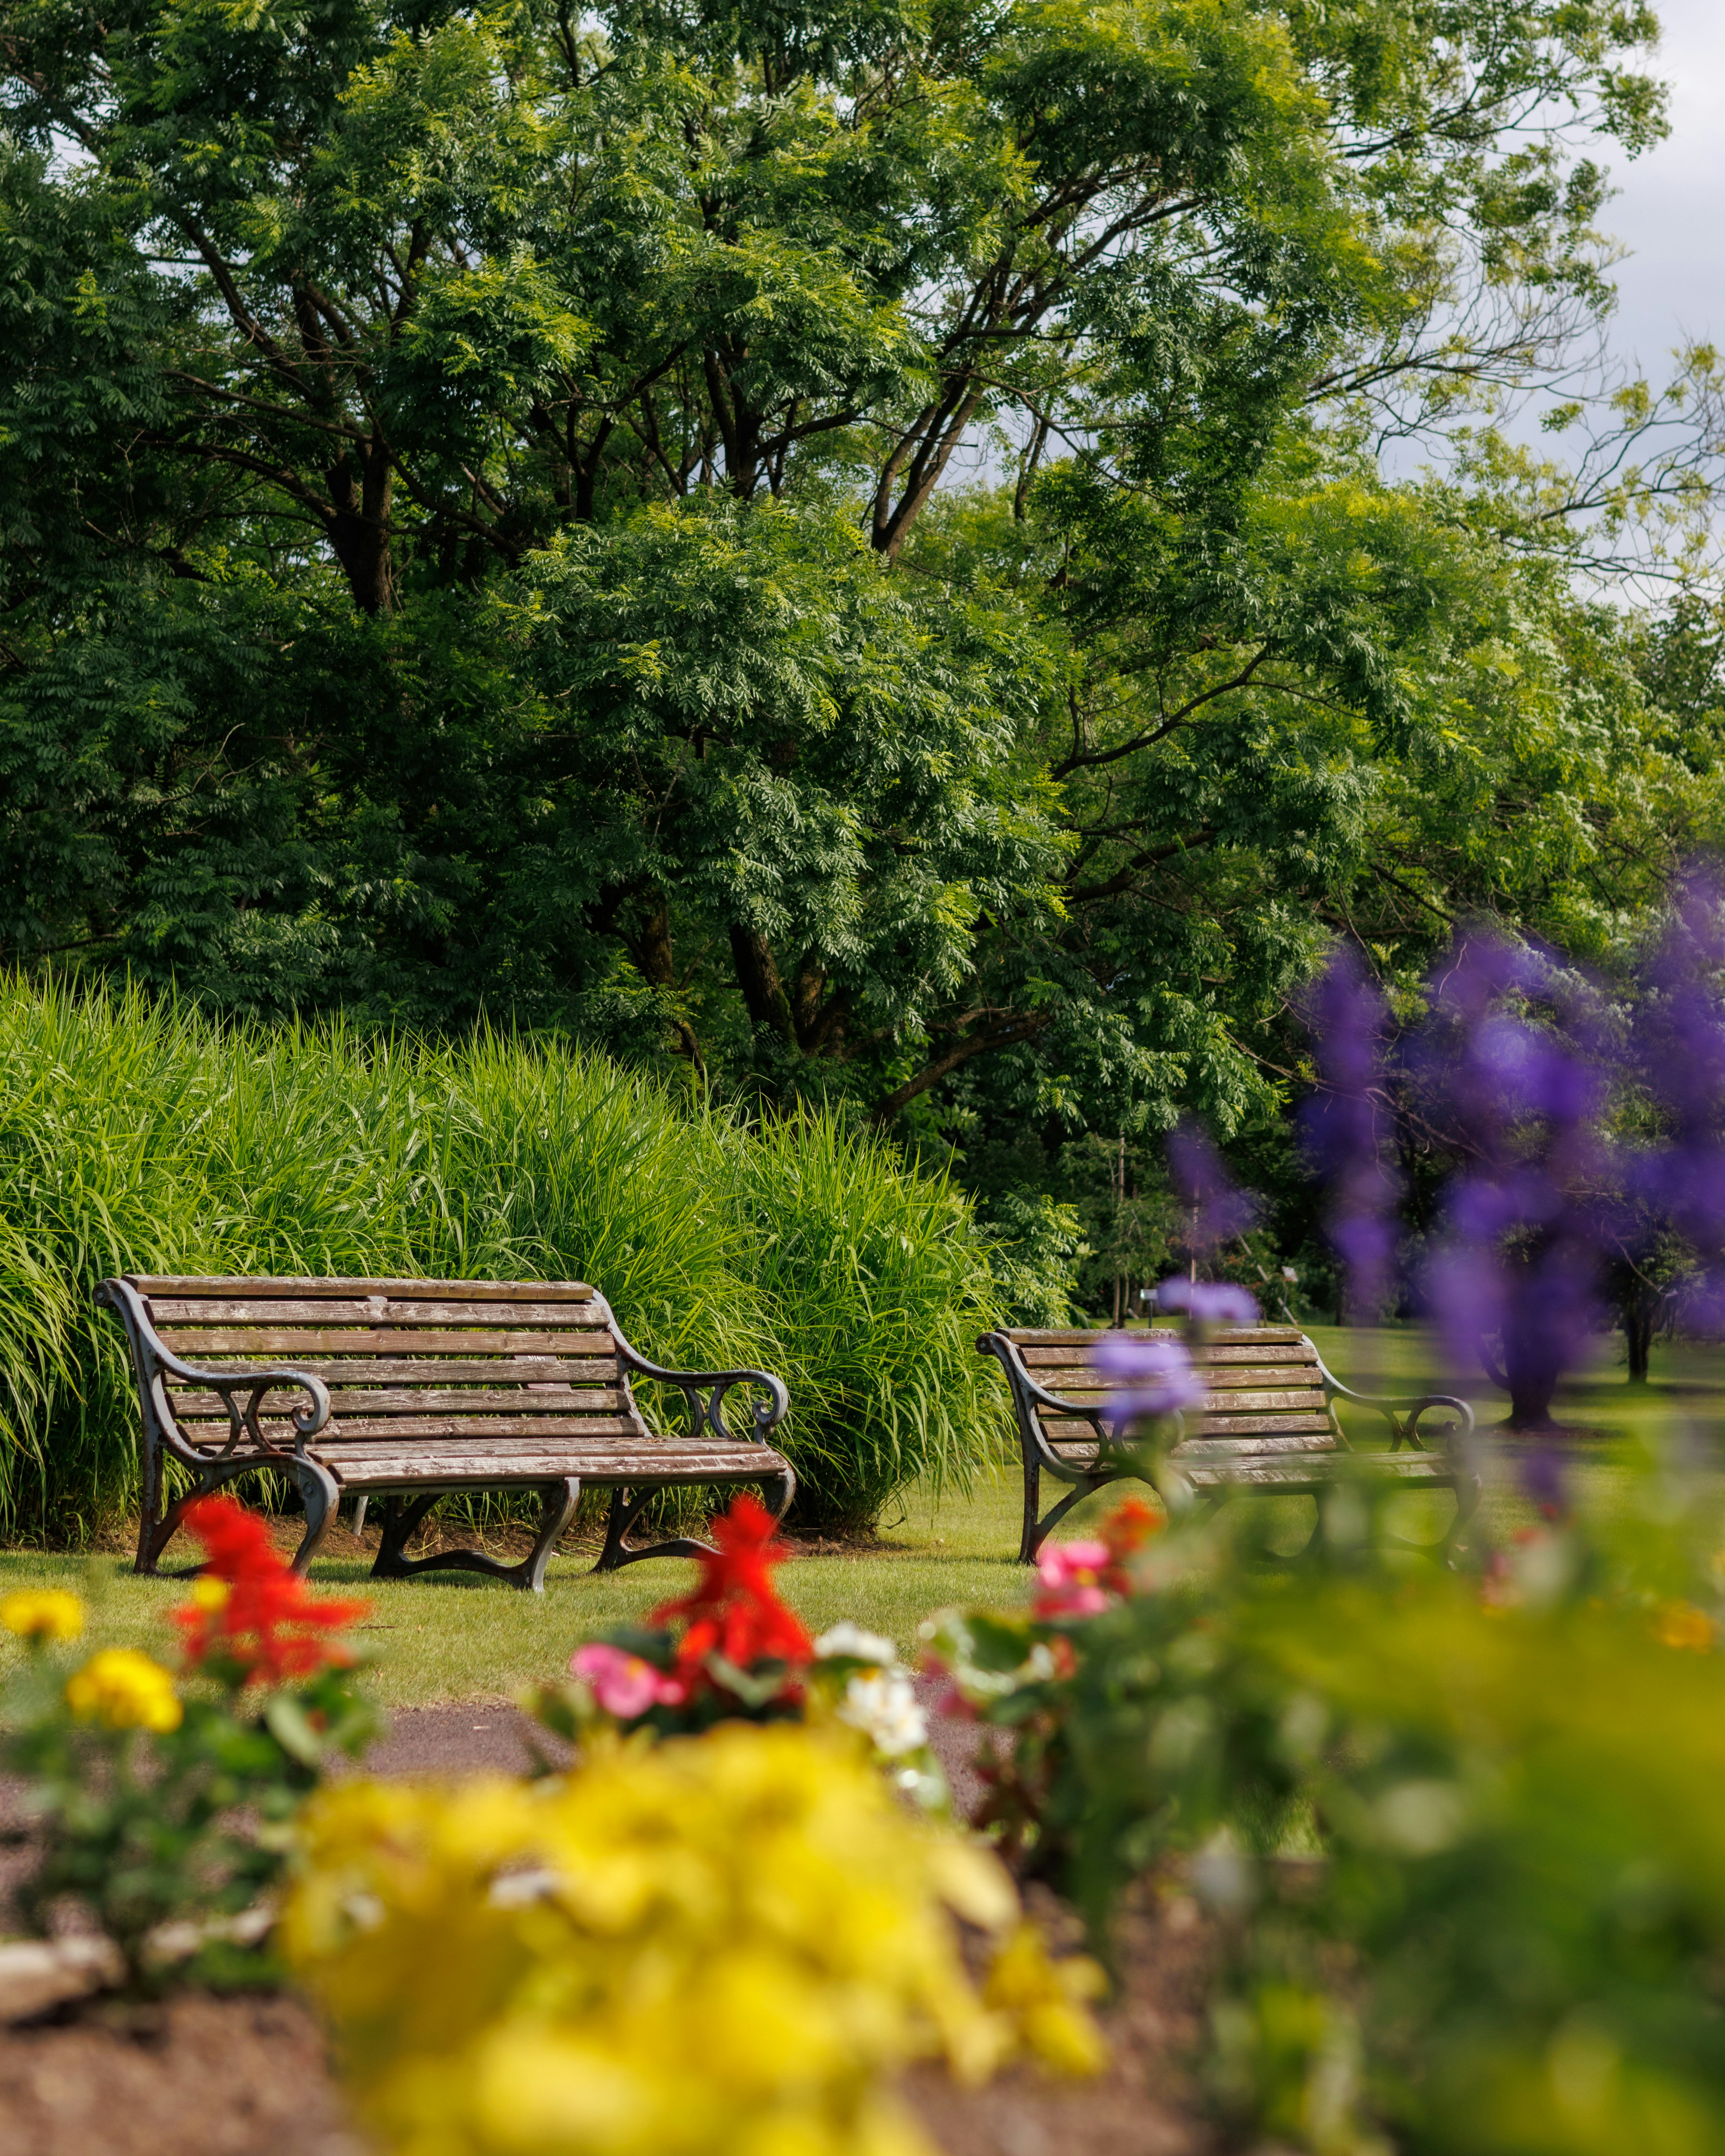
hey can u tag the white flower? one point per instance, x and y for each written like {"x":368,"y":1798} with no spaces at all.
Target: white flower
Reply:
{"x":884,"y":1706}
{"x":846,"y":1638}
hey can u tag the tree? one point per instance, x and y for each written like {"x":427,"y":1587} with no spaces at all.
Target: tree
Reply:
{"x":844,"y":545}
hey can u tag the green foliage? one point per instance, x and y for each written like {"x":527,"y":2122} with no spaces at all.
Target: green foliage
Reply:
{"x":1457,"y":1830}
{"x":841,"y":552}
{"x":136,"y":1136}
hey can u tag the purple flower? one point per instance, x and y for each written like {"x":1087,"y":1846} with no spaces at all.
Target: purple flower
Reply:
{"x":1544,"y":1479}
{"x":1214,"y":1209}
{"x":1347,"y":1125}
{"x":1155,"y":1375}
{"x":1208,"y":1302}
{"x":1510,"y":1070}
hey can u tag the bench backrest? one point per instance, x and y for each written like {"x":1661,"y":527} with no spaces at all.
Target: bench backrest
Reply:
{"x":466,"y":1364}
{"x":1267,"y":1394}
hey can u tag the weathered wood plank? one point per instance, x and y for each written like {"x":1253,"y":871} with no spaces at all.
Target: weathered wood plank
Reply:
{"x":1275,"y":1376}
{"x":407,"y":1471}
{"x":1230,"y":1336}
{"x":350,"y":1401}
{"x":228,"y":1312}
{"x":480,"y":1370}
{"x":275,"y":1344}
{"x":272,"y":1284}
{"x":452,"y":1430}
{"x":1250,"y":1445}
{"x":1418,"y":1468}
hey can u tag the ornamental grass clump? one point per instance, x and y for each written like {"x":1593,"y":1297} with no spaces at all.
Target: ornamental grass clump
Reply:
{"x":137,"y":1136}
{"x":138,"y":1778}
{"x":710,"y":1945}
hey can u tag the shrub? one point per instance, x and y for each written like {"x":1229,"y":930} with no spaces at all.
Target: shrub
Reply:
{"x":137,"y":1136}
{"x":1461,"y":1834}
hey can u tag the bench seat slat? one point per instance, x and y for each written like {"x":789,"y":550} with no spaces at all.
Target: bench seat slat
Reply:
{"x":278,"y":1343}
{"x":452,"y":1430}
{"x":593,"y":1369}
{"x":1405,"y":1467}
{"x":377,"y":1310}
{"x":1073,"y":1382}
{"x":599,"y":1463}
{"x":347,"y":1401}
{"x":151,"y":1284}
{"x":1071,"y":1428}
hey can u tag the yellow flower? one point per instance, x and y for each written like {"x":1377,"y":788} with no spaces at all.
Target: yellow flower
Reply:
{"x":208,"y":1593}
{"x":124,"y":1690}
{"x":43,"y":1613}
{"x":1046,"y":2000}
{"x":1681,"y":1625}
{"x":728,"y":1941}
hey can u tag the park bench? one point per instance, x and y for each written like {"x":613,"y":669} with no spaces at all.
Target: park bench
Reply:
{"x":410,"y":1388}
{"x":1268,"y":1423}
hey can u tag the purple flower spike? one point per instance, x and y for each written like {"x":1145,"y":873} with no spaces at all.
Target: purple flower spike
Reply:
{"x":1214,"y":1208}
{"x":1347,"y":1127}
{"x":1209,"y":1303}
{"x":1155,"y":1371}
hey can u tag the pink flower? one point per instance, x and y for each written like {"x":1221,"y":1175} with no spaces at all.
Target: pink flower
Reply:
{"x":623,"y":1684}
{"x":1070,"y":1580}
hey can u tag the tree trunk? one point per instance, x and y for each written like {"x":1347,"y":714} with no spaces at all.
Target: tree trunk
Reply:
{"x":762,"y":991}
{"x":1638,"y":1331}
{"x":359,"y":530}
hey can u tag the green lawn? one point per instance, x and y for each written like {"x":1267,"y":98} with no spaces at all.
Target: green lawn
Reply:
{"x":462,"y":1637}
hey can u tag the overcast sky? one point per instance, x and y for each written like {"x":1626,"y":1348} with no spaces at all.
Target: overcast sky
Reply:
{"x":1671,"y":209}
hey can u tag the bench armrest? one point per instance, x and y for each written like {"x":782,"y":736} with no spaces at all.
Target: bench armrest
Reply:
{"x":153,"y":1359}
{"x":1028,"y":1394}
{"x":1402,"y":1410}
{"x":707,"y":1413}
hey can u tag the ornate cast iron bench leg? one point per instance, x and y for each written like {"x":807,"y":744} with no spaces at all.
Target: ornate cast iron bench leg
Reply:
{"x":627,"y":1506}
{"x":401,"y":1520}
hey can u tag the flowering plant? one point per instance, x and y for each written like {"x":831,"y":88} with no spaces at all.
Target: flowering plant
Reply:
{"x":137,"y":1776}
{"x":713,"y":1944}
{"x":731,"y":1650}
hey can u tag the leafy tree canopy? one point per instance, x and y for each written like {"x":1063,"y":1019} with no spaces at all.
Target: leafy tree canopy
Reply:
{"x":845,"y":545}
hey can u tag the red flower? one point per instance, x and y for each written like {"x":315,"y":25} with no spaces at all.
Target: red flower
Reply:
{"x":251,"y":1618}
{"x":1126,"y":1530}
{"x":733,"y":1610}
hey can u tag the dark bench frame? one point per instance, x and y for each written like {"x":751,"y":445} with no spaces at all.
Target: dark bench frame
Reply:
{"x":1115,"y":1462}
{"x":243,"y":1391}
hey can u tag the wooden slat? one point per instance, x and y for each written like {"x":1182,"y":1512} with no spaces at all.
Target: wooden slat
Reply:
{"x":1074,"y":1381}
{"x":1231,"y":1336}
{"x":303,"y":1285}
{"x":409,"y":1469}
{"x":1303,"y":1402}
{"x":1241,"y":1425}
{"x":454,"y":1429}
{"x":353,"y":1400}
{"x":279,"y":1345}
{"x":374,"y":1310}
{"x":1246,"y":1446}
{"x":501,"y":1369}
{"x":1415,"y":1468}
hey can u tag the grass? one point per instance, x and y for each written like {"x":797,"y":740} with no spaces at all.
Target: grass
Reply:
{"x":464,"y":1639}
{"x":137,"y":1136}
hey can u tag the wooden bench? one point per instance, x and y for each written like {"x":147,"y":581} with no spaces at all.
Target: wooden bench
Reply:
{"x":1268,"y":1423}
{"x":410,"y":1388}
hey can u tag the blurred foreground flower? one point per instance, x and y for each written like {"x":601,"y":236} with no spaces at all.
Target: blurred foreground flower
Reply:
{"x":1153,"y":1373}
{"x":720,"y":1944}
{"x":122,"y":1689}
{"x":42,"y":1614}
{"x":251,"y":1619}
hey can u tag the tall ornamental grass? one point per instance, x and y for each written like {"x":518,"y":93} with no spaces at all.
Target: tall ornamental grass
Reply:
{"x":138,"y":1137}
